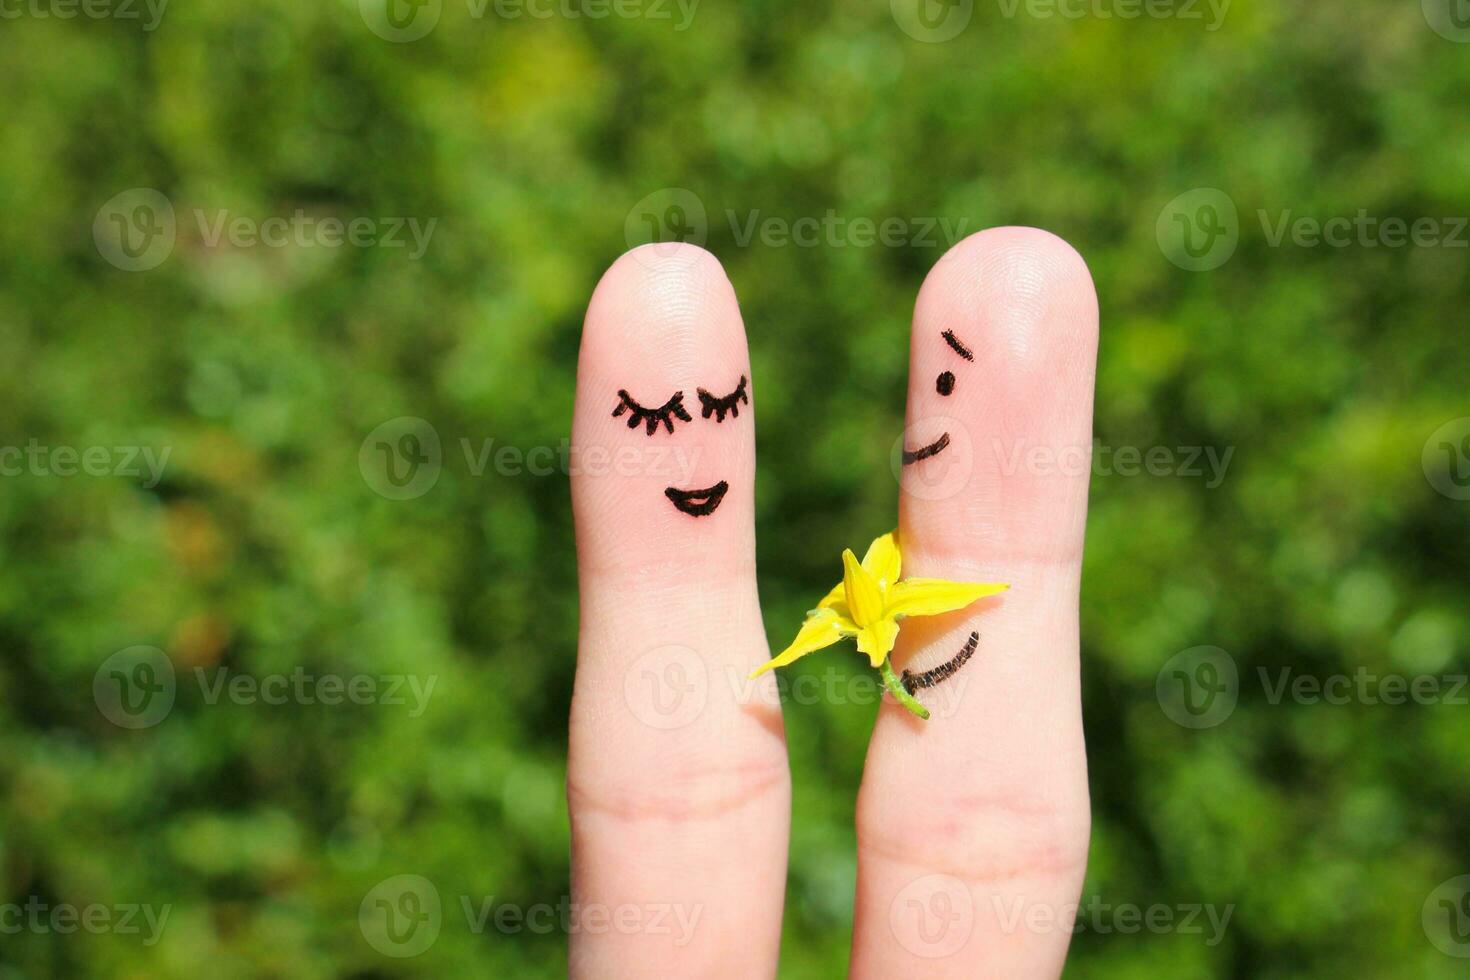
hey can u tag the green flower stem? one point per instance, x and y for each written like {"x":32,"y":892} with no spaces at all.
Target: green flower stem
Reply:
{"x":895,"y":687}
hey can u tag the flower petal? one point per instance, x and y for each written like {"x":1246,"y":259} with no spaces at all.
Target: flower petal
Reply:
{"x":864,"y":600}
{"x":837,"y":597}
{"x":823,"y":627}
{"x":883,"y":560}
{"x":932,"y":596}
{"x":877,"y":640}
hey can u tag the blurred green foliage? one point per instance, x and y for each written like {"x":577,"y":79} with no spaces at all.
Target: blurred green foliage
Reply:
{"x":263,"y":549}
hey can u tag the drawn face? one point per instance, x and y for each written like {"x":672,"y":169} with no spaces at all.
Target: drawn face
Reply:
{"x":695,"y":503}
{"x":944,"y":384}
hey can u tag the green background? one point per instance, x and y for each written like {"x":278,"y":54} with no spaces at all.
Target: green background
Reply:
{"x":265,"y":548}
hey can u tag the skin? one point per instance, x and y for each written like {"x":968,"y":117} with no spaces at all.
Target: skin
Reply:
{"x":970,"y":825}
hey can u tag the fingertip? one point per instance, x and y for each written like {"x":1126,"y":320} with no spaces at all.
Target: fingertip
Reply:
{"x":1002,"y":363}
{"x":1030,"y":289}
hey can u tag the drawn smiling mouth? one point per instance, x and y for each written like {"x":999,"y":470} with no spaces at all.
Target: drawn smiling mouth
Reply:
{"x":933,"y":449}
{"x":698,"y":503}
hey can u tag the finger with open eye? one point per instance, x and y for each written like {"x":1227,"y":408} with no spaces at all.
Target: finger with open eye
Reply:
{"x":983,"y":810}
{"x":677,"y":778}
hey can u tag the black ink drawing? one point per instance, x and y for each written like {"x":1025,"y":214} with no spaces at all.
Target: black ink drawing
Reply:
{"x":698,"y":503}
{"x":720,"y":406}
{"x":912,"y":682}
{"x":944,"y":384}
{"x":911,"y":456}
{"x":651,"y":417}
{"x":959,"y":348}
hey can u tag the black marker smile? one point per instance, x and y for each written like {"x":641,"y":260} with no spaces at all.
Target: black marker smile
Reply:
{"x":933,"y":449}
{"x":698,"y":503}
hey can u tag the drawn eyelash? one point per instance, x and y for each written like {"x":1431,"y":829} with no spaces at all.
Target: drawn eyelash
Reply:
{"x":720,"y":406}
{"x":959,"y":348}
{"x":912,"y":682}
{"x":651,"y":417}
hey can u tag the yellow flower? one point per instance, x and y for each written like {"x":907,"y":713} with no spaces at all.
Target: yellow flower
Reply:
{"x":869,"y":602}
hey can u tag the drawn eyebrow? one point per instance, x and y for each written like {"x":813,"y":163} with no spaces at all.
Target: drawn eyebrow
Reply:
{"x":720,"y":406}
{"x":651,"y":417}
{"x":959,"y":348}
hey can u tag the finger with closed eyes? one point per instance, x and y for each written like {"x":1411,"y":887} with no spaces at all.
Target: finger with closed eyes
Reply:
{"x":677,"y":777}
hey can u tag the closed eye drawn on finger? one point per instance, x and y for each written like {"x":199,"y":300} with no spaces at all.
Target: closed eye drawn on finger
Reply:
{"x":719,"y":407}
{"x":651,"y":417}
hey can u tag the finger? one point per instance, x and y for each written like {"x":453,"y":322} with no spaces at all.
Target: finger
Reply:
{"x":677,"y":779}
{"x":971,"y":822}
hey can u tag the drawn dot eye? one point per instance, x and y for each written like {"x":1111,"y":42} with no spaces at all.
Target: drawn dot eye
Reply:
{"x":944,"y":384}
